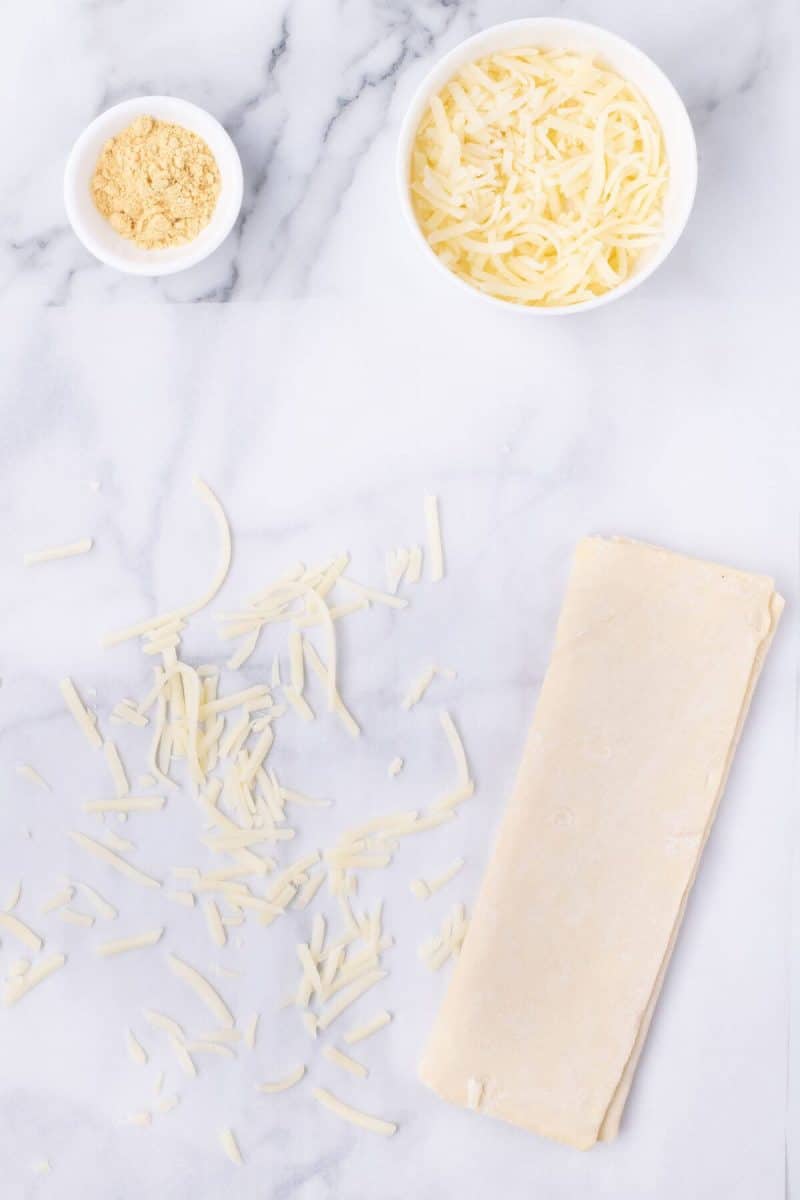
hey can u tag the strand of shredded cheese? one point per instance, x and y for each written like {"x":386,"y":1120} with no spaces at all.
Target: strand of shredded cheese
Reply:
{"x":26,"y":771}
{"x":118,"y":773}
{"x":123,"y":945}
{"x":353,"y":1115}
{"x":435,"y":549}
{"x":206,"y":992}
{"x":81,"y":713}
{"x":113,"y":860}
{"x":104,"y":909}
{"x":126,"y":805}
{"x":206,"y":494}
{"x":22,"y":932}
{"x":282,"y":1085}
{"x":340,"y":1059}
{"x":360,"y":1032}
{"x":18,"y":988}
{"x":231,"y":1146}
{"x":32,"y":557}
{"x":423,"y":889}
{"x":136,"y":1050}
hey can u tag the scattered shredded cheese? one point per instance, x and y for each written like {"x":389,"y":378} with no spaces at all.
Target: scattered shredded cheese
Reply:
{"x":127,"y":804}
{"x":18,"y":988}
{"x":348,"y":997}
{"x":185,"y":1060}
{"x":448,"y":942}
{"x":282,"y":1085}
{"x":85,"y":719}
{"x":353,"y":1115}
{"x":58,"y":900}
{"x":475,"y":1089}
{"x":122,"y":945}
{"x":116,"y":768}
{"x":114,"y":860}
{"x":456,"y":746}
{"x":73,"y":917}
{"x":136,"y":1050}
{"x":126,"y":714}
{"x":360,"y":1032}
{"x":203,"y":989}
{"x":22,"y":932}
{"x":166,"y":1024}
{"x":26,"y":771}
{"x":32,"y":557}
{"x":115,"y":841}
{"x":423,"y":889}
{"x":309,"y":890}
{"x":231,"y":1146}
{"x":143,"y":1119}
{"x":435,"y":549}
{"x":214,"y":922}
{"x":250,"y":1031}
{"x":414,"y":568}
{"x":340,"y":1059}
{"x":419,"y":687}
{"x":104,"y":909}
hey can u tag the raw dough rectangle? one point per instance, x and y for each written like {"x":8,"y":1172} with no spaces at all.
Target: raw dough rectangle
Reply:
{"x":655,"y":661}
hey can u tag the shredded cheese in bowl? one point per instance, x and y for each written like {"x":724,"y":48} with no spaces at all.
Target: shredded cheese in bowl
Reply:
{"x":538,"y":176}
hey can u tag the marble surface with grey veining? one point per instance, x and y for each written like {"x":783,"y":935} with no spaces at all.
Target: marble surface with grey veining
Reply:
{"x":322,"y":378}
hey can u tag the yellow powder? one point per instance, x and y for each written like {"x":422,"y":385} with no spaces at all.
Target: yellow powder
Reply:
{"x":156,"y":183}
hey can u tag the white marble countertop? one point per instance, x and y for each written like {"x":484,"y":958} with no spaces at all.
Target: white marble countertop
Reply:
{"x":322,"y":378}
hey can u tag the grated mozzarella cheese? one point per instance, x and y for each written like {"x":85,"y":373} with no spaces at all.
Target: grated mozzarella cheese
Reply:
{"x":26,"y":771}
{"x":282,"y":1085}
{"x":360,"y":1032}
{"x":123,"y":945}
{"x":231,"y":1146}
{"x":353,"y":1115}
{"x":85,"y":719}
{"x":114,"y":860}
{"x":22,"y":932}
{"x":136,"y":1050}
{"x":203,"y":989}
{"x":435,"y":549}
{"x":18,"y":988}
{"x":69,"y":551}
{"x":340,"y":1059}
{"x":538,"y":176}
{"x":118,"y":773}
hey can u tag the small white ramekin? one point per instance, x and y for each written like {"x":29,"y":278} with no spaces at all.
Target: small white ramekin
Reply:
{"x":631,"y":64}
{"x":94,"y":230}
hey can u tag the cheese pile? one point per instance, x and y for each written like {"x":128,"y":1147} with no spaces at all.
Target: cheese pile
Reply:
{"x":538,"y":176}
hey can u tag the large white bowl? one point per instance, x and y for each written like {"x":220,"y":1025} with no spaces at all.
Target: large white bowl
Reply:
{"x":629,"y":62}
{"x":94,"y":230}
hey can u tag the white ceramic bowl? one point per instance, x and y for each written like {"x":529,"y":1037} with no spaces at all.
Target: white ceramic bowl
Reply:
{"x":94,"y":230}
{"x":631,"y":64}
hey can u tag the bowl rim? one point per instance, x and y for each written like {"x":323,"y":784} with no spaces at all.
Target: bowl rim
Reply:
{"x":459,"y":54}
{"x":115,"y":118}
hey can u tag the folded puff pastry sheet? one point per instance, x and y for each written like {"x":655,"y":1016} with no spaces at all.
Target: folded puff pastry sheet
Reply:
{"x":654,"y":665}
